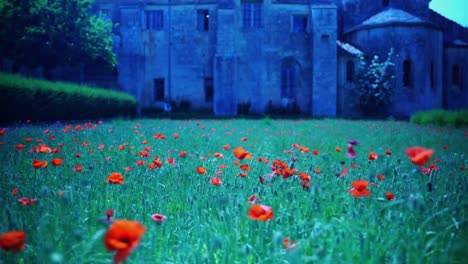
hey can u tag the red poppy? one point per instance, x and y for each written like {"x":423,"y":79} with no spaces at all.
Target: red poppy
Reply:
{"x":123,"y":236}
{"x":27,"y":201}
{"x":359,"y":188}
{"x":373,"y":156}
{"x":388,"y":152}
{"x":245,"y":167}
{"x":13,"y":241}
{"x":241,"y":153}
{"x":37,"y":164}
{"x":380,"y":177}
{"x":109,"y":214}
{"x":260,"y":178}
{"x":419,"y":155}
{"x":176,"y":135}
{"x":78,"y":168}
{"x":390,"y":196}
{"x":115,"y":178}
{"x":288,"y":245}
{"x":260,"y":212}
{"x":158,"y":218}
{"x":244,"y":139}
{"x":216,"y":181}
{"x":218,"y":155}
{"x":242,"y":174}
{"x":201,"y":170}
{"x":57,"y":162}
{"x":315,"y":152}
{"x":317,"y":170}
{"x":337,"y":149}
{"x":226,"y":147}
{"x":19,"y":146}
{"x":15,"y":191}
{"x":343,"y":172}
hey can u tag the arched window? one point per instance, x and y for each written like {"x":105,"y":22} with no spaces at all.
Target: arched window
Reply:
{"x":385,"y":2}
{"x":349,"y":71}
{"x":456,"y":75}
{"x":407,"y":73}
{"x":288,"y":79}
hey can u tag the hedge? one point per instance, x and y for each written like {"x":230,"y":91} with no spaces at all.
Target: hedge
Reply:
{"x":35,"y":99}
{"x":441,"y":117}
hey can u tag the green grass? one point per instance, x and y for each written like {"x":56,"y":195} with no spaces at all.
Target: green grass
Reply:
{"x":208,"y":224}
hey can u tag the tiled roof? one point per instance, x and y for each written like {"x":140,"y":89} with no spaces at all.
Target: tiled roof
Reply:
{"x":391,"y":16}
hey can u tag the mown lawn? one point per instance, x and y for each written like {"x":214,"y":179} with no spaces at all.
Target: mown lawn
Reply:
{"x":301,"y":170}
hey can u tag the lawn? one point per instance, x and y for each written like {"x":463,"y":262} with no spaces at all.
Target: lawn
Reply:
{"x":298,"y":191}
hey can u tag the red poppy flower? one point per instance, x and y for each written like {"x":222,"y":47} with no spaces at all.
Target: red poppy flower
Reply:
{"x":390,"y":196}
{"x":337,"y":149}
{"x":315,"y":152}
{"x":359,"y":188}
{"x":373,"y":156}
{"x":317,"y":170}
{"x":288,"y":245}
{"x":260,"y":212}
{"x":419,"y":155}
{"x":158,"y":218}
{"x":109,"y":214}
{"x":78,"y":168}
{"x":218,"y":155}
{"x":216,"y":181}
{"x":388,"y":152}
{"x":57,"y":162}
{"x":245,"y":167}
{"x":201,"y":170}
{"x":343,"y":172}
{"x":226,"y":147}
{"x":242,"y":174}
{"x":244,"y":139}
{"x":14,"y":241}
{"x":115,"y":178}
{"x":241,"y":153}
{"x":39,"y":164}
{"x":15,"y":191}
{"x":380,"y":177}
{"x":176,"y":135}
{"x":123,"y":236}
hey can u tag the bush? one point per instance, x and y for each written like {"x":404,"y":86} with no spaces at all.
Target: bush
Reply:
{"x":441,"y":117}
{"x":35,"y":99}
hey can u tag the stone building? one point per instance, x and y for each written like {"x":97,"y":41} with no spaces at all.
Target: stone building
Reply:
{"x":224,"y":55}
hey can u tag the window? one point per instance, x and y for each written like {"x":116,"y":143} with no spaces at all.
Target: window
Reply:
{"x":154,"y":19}
{"x":456,"y":75}
{"x":385,"y":2}
{"x":288,"y":81}
{"x":203,"y":20}
{"x":252,"y":14}
{"x":433,"y":77}
{"x":299,"y":23}
{"x":158,"y":89}
{"x":349,"y":71}
{"x":208,"y":84}
{"x":407,"y":68}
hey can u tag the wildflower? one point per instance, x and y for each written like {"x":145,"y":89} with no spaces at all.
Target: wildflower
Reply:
{"x":78,"y":168}
{"x":287,"y":244}
{"x":380,"y":177}
{"x":390,"y":196}
{"x":176,"y":135}
{"x":241,"y":153}
{"x":115,"y":178}
{"x":27,"y":201}
{"x":123,"y":236}
{"x":253,"y":198}
{"x":245,"y":167}
{"x":201,"y":170}
{"x":158,"y":218}
{"x":216,"y":181}
{"x":15,"y":191}
{"x":37,"y":164}
{"x":373,"y":156}
{"x":359,"y":188}
{"x":244,"y":139}
{"x":343,"y":172}
{"x":337,"y":149}
{"x":388,"y":152}
{"x":57,"y":162}
{"x":183,"y":154}
{"x":218,"y":155}
{"x":226,"y":147}
{"x":351,"y":152}
{"x":19,"y":146}
{"x":260,"y":212}
{"x":13,"y":241}
{"x":315,"y":152}
{"x":109,"y":214}
{"x":419,"y":155}
{"x":260,"y":178}
{"x":242,"y":174}
{"x":317,"y":170}
{"x":305,"y":180}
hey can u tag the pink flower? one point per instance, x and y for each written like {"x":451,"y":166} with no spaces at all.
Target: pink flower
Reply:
{"x":351,"y":153}
{"x":158,"y":218}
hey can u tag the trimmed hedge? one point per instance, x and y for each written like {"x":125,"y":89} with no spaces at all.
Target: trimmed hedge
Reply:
{"x":23,"y":98}
{"x":441,"y":117}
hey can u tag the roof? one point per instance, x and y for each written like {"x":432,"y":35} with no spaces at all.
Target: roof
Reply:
{"x":349,"y":48}
{"x":392,"y":16}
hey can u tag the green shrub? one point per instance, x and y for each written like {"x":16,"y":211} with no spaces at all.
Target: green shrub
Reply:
{"x":441,"y":117}
{"x":24,"y":98}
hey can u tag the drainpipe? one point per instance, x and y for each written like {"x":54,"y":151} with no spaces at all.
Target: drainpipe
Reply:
{"x":169,"y":46}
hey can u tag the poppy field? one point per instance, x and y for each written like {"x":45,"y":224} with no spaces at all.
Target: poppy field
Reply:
{"x":233,"y":191}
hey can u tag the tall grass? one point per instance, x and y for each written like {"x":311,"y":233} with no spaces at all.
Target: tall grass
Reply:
{"x":209,"y":224}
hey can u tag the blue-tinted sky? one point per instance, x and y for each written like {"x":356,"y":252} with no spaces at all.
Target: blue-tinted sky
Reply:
{"x":456,"y":10}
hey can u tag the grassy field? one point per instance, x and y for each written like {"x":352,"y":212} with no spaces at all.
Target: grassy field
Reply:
{"x":66,"y":206}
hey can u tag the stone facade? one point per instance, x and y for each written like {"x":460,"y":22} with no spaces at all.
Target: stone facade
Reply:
{"x":229,"y":55}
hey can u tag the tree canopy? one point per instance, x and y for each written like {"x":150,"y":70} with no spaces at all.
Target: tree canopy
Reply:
{"x":51,"y":33}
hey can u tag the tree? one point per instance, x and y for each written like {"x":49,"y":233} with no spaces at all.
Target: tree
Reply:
{"x":51,"y":33}
{"x":375,"y":84}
